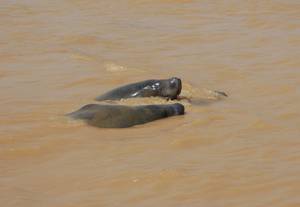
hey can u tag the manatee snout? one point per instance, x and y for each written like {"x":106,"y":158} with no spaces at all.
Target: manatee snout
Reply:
{"x":171,"y":88}
{"x":178,"y":109}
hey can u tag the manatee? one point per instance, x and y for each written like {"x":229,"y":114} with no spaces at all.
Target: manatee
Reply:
{"x":168,"y":88}
{"x":121,"y":116}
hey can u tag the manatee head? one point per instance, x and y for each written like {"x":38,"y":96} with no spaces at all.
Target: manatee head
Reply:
{"x":178,"y":109}
{"x":172,"y":109}
{"x":171,"y":88}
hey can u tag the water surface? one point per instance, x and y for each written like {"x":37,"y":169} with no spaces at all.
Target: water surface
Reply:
{"x":56,"y":56}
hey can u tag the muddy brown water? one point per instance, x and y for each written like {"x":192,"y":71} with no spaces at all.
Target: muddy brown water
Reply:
{"x":56,"y":56}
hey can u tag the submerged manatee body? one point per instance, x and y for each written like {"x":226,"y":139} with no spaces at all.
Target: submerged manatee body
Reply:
{"x":120,"y":116}
{"x":168,"y":88}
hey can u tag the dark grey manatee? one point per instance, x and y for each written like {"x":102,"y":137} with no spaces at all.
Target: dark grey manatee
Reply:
{"x":169,"y":88}
{"x":120,"y":116}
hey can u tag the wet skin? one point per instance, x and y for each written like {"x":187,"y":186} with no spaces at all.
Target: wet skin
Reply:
{"x":120,"y":116}
{"x":167,"y":88}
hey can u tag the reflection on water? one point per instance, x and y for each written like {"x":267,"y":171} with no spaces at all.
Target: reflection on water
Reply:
{"x":56,"y":56}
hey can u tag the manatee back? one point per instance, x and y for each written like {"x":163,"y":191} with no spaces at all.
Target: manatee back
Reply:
{"x":86,"y":112}
{"x":139,"y":89}
{"x":120,"y":116}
